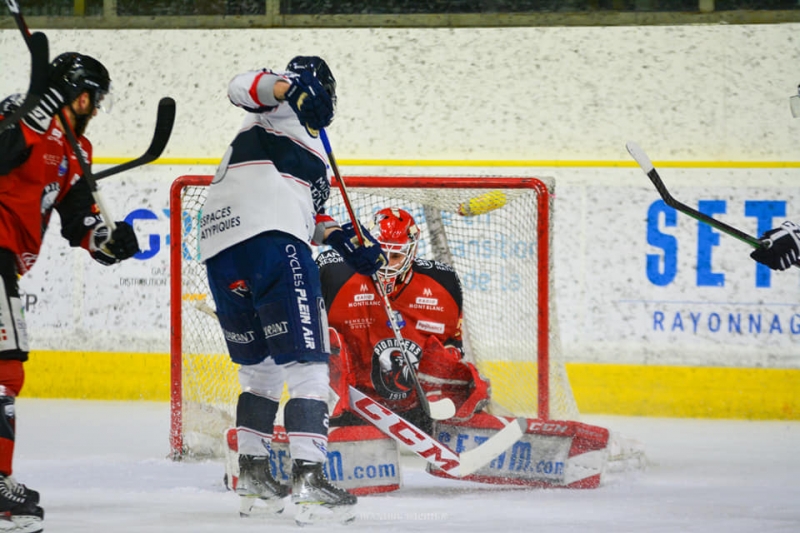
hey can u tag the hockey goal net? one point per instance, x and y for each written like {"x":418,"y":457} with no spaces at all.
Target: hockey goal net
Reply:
{"x":496,"y":233}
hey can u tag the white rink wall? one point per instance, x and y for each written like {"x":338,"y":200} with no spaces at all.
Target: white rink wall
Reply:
{"x":565,"y":100}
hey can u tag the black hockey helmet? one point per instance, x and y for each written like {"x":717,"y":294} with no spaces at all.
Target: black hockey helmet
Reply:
{"x":319,"y":68}
{"x":74,"y":73}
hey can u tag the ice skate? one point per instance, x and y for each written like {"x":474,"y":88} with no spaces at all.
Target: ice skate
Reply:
{"x":316,"y":499}
{"x":19,"y":509}
{"x":257,"y":485}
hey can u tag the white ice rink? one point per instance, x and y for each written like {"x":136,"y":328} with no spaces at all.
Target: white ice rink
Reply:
{"x":102,"y":467}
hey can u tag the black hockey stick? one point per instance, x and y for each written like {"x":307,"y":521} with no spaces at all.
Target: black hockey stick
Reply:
{"x":71,"y":138}
{"x":439,"y":409}
{"x":38,"y":85}
{"x":164,"y":122}
{"x":641,"y":158}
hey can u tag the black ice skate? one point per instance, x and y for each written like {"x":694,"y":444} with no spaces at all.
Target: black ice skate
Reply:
{"x":316,"y":499}
{"x":256,"y":484}
{"x":19,"y":509}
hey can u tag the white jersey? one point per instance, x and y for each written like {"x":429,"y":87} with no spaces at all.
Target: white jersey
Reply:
{"x":274,"y":175}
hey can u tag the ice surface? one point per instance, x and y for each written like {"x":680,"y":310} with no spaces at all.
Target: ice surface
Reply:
{"x":102,"y":467}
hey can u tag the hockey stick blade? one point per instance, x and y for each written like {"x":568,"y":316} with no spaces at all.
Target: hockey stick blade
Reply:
{"x":647,"y":166}
{"x":39,"y":51}
{"x":476,"y":458}
{"x":428,"y":448}
{"x":164,"y":122}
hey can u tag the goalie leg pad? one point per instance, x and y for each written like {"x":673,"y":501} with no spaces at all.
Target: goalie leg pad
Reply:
{"x":551,"y":453}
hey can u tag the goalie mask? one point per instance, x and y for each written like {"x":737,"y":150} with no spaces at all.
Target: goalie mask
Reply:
{"x":398,"y":236}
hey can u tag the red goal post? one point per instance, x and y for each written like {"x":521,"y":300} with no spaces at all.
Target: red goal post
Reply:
{"x":495,"y":231}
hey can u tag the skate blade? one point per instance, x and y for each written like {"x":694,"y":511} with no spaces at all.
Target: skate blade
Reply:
{"x":252,"y":506}
{"x":21,"y":524}
{"x":314,"y":513}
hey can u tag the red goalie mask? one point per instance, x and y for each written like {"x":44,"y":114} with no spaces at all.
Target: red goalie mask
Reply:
{"x":398,"y":236}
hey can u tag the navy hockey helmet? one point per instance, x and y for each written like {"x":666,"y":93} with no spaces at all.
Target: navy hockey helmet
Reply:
{"x":74,"y":73}
{"x":319,"y":68}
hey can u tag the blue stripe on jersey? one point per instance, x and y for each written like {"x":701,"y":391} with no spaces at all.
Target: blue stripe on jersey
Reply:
{"x":289,"y":157}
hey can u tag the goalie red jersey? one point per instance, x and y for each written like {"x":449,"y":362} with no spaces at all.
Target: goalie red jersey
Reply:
{"x":427,"y":303}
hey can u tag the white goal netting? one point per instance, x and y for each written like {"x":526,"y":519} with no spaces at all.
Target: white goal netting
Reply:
{"x":503,"y":256}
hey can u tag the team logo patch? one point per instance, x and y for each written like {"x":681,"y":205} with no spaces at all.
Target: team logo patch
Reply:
{"x":390,"y":375}
{"x":239,"y":288}
{"x":399,"y":321}
{"x":62,"y":167}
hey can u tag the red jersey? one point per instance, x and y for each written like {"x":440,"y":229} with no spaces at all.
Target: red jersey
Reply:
{"x":39,"y":172}
{"x":429,"y":303}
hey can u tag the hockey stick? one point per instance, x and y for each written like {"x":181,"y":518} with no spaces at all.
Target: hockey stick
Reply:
{"x":641,"y":158}
{"x":39,"y":50}
{"x":164,"y":122}
{"x":439,"y":409}
{"x":165,"y":118}
{"x":455,"y":464}
{"x":73,"y":141}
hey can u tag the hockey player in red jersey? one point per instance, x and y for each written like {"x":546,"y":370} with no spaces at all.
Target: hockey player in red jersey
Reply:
{"x":39,"y":172}
{"x":426,"y":298}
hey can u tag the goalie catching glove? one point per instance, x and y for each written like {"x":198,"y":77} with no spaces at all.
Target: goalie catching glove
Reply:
{"x":444,"y":374}
{"x":108,"y":248}
{"x":782,"y":247}
{"x":365,"y":259}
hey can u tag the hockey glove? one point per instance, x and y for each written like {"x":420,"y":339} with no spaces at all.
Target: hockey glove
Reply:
{"x":40,"y":117}
{"x":366,"y":259}
{"x":122,"y":244}
{"x":782,"y":249}
{"x":311,"y":102}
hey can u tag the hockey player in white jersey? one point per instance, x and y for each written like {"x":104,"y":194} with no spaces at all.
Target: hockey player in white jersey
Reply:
{"x":264,"y":209}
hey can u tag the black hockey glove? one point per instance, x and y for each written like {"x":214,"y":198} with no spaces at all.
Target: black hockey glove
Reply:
{"x":310,"y":101}
{"x":782,"y":248}
{"x":41,"y":115}
{"x":366,"y":259}
{"x":122,"y":244}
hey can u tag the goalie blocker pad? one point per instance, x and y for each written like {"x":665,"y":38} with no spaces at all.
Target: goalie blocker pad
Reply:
{"x":552,"y":453}
{"x":361,"y":459}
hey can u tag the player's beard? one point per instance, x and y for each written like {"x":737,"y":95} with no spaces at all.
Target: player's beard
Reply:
{"x":81,"y":122}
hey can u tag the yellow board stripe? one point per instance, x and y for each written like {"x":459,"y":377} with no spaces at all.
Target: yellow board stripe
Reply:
{"x":558,"y":163}
{"x":631,"y":390}
{"x":701,"y":392}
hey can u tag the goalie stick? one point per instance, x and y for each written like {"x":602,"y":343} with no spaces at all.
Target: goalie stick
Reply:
{"x":40,"y":64}
{"x":439,"y":409}
{"x":641,"y":158}
{"x":430,"y":449}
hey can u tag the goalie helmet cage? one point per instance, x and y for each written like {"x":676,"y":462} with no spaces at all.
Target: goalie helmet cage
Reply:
{"x":503,"y":256}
